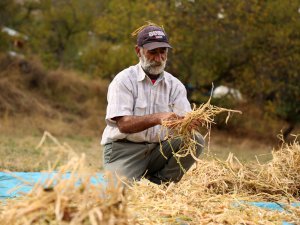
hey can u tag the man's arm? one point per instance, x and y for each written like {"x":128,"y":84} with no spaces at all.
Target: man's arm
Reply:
{"x":134,"y":124}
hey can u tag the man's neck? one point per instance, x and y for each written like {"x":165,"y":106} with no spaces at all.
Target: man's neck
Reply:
{"x":153,"y":77}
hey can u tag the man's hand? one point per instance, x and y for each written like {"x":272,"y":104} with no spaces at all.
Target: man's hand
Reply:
{"x":167,"y":116}
{"x":173,"y":121}
{"x":195,"y":124}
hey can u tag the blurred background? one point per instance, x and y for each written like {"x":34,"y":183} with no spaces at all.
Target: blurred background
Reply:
{"x":57,"y":58}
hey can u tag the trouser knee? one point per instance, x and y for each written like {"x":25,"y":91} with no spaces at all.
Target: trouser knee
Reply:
{"x":200,"y":143}
{"x":177,"y":144}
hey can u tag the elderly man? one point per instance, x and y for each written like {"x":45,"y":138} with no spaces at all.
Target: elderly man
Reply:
{"x":139,"y":99}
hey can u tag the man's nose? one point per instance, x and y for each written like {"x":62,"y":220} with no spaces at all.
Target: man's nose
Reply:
{"x":159,"y":57}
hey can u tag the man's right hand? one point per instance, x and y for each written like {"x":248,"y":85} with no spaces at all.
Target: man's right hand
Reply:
{"x":167,"y":116}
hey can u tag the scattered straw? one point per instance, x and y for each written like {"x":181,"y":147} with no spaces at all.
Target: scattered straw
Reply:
{"x":218,"y":192}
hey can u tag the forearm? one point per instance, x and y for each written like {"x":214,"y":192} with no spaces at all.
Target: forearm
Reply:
{"x":134,"y":124}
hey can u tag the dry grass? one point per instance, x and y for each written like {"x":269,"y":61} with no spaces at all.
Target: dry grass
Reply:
{"x":19,"y":153}
{"x":216,"y":192}
{"x":68,"y":200}
{"x":246,"y":149}
{"x":29,"y":91}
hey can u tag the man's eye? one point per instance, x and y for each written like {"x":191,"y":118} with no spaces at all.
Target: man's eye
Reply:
{"x":162,"y":51}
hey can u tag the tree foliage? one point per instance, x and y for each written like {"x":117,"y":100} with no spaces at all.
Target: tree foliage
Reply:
{"x":250,"y":45}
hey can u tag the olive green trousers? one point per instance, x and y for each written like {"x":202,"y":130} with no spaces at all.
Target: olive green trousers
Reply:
{"x":136,"y":160}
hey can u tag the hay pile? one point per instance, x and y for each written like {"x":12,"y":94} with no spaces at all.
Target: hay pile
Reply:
{"x":64,"y":201}
{"x":72,"y":199}
{"x":272,"y":181}
{"x":217,"y":192}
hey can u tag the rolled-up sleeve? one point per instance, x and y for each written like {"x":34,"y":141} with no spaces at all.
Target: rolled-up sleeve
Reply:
{"x":120,"y":101}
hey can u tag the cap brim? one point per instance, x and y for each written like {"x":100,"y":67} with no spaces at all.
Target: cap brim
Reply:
{"x":154,"y":45}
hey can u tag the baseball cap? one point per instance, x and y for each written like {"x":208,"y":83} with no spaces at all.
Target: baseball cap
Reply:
{"x":152,"y":37}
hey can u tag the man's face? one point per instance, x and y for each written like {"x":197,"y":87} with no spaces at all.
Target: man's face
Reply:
{"x":153,"y":61}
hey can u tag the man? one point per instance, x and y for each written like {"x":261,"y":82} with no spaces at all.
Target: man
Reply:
{"x":139,"y":99}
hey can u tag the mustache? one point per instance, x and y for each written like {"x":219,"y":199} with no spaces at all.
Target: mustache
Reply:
{"x":154,"y":63}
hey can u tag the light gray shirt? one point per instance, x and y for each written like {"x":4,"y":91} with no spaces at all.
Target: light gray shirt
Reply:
{"x":132,"y":93}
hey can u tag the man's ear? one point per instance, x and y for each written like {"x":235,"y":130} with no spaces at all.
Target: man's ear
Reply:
{"x":137,"y":50}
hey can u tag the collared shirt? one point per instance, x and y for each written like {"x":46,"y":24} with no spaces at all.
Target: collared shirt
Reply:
{"x":132,"y":93}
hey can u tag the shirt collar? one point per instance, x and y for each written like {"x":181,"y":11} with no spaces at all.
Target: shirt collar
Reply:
{"x":142,"y":75}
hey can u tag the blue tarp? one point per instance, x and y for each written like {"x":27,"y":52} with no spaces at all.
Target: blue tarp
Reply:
{"x":273,"y":205}
{"x":14,"y":181}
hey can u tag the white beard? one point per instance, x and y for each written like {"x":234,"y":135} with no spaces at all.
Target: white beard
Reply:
{"x":151,"y":67}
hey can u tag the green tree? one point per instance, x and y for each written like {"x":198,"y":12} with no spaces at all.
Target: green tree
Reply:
{"x":254,"y":46}
{"x":9,"y":13}
{"x":274,"y":43}
{"x":60,"y":28}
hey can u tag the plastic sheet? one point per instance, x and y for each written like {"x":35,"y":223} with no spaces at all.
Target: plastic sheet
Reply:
{"x":16,"y":183}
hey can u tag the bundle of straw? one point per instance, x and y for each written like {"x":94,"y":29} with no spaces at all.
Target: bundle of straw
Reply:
{"x":205,"y":114}
{"x":184,"y":128}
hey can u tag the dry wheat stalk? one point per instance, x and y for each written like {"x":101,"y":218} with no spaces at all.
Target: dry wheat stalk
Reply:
{"x":184,"y":127}
{"x":216,"y":192}
{"x":205,"y":113}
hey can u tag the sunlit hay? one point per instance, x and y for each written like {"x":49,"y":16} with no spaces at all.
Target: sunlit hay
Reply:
{"x":61,"y":151}
{"x":186,"y":203}
{"x":278,"y":179}
{"x":219,"y":192}
{"x":69,"y":196}
{"x":183,"y":127}
{"x":283,"y":172}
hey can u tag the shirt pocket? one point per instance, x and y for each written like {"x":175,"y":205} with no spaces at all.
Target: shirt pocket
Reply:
{"x":140,"y":108}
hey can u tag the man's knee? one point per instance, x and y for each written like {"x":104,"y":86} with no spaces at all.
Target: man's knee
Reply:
{"x":177,"y":144}
{"x":200,"y":143}
{"x":171,"y":146}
